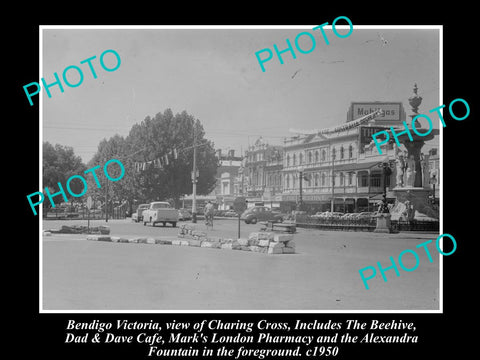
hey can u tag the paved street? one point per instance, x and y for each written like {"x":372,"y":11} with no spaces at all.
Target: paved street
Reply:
{"x":323,"y":275}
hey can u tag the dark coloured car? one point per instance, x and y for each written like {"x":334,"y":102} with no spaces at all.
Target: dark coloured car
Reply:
{"x":260,"y":213}
{"x":184,"y":215}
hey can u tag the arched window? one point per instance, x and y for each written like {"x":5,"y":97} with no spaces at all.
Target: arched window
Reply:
{"x":350,"y":151}
{"x":316,"y":156}
{"x":324,"y":155}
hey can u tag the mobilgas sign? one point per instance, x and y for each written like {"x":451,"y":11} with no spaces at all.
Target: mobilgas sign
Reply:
{"x":391,"y":112}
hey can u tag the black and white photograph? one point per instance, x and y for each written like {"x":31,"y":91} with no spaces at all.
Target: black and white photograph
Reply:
{"x":243,"y":184}
{"x":240,"y":168}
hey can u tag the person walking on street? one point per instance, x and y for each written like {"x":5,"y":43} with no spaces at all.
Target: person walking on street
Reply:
{"x":208,"y":212}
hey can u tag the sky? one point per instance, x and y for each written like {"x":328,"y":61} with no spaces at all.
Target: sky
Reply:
{"x":214,"y":75}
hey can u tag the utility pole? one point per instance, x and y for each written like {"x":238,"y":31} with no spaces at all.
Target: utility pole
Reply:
{"x":333,"y":182}
{"x":194,"y":175}
{"x":106,"y":202}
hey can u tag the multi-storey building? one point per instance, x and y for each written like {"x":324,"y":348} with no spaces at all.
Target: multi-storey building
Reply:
{"x":340,"y":165}
{"x":262,"y":175}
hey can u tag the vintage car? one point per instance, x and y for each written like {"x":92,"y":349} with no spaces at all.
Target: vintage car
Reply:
{"x":260,"y":213}
{"x":160,"y":212}
{"x":138,"y":214}
{"x":184,"y":215}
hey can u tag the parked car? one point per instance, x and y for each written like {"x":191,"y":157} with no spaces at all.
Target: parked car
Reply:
{"x":138,"y":214}
{"x":231,"y":213}
{"x":184,"y":215}
{"x":160,"y":212}
{"x":260,"y":213}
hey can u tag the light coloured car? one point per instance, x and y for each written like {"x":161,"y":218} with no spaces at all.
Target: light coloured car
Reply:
{"x":160,"y":212}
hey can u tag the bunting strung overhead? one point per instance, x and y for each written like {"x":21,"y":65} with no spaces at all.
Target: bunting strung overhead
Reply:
{"x":158,"y":163}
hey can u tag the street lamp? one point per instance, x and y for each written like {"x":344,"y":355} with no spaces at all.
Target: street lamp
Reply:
{"x":301,"y":169}
{"x":386,"y":171}
{"x":433,"y":181}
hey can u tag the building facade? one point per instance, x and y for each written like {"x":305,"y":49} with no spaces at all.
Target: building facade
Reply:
{"x":262,"y":172}
{"x":340,"y":166}
{"x":227,"y":186}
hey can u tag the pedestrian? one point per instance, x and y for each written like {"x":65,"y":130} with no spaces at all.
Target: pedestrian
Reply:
{"x":208,"y":212}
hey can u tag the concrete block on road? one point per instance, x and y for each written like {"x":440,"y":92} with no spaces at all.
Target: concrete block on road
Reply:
{"x":163,"y":241}
{"x":151,"y":241}
{"x":227,"y":246}
{"x":98,"y":238}
{"x":242,"y":242}
{"x":275,"y":250}
{"x":288,"y":250}
{"x":276,"y":245}
{"x":290,"y":244}
{"x":282,"y":237}
{"x":263,"y":242}
{"x":193,"y":242}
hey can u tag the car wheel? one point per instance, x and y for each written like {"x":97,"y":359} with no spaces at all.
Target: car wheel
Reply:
{"x":253,"y":221}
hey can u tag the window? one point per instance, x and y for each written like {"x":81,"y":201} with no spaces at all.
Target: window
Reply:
{"x":316,"y":156}
{"x":316,"y":179}
{"x":375,"y":180}
{"x":323,"y":179}
{"x":364,"y":180}
{"x":342,"y":178}
{"x":294,"y":160}
{"x":350,"y":151}
{"x":300,"y":158}
{"x":350,"y":178}
{"x":287,"y":181}
{"x":342,"y":152}
{"x":334,"y":153}
{"x":309,"y":157}
{"x":288,"y":160}
{"x":324,"y":155}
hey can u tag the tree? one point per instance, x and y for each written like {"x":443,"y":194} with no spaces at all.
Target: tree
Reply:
{"x":158,"y":158}
{"x":59,"y":164}
{"x":162,"y":137}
